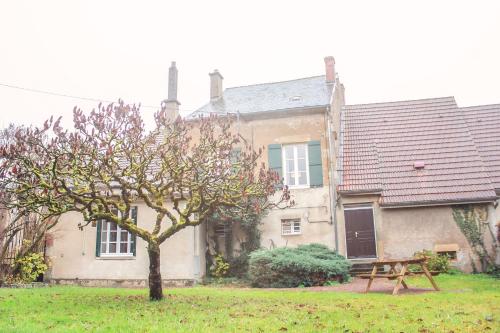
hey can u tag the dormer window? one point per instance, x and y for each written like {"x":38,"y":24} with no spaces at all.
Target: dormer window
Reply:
{"x":295,"y":99}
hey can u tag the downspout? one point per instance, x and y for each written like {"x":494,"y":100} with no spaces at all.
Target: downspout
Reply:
{"x":333,"y":193}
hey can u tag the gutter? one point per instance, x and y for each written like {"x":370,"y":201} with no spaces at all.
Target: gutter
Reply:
{"x":331,"y":171}
{"x":441,"y":203}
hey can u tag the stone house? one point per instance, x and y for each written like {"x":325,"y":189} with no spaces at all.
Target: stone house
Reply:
{"x":372,"y":181}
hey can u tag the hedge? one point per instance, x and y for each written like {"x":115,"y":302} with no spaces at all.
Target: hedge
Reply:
{"x":305,"y":265}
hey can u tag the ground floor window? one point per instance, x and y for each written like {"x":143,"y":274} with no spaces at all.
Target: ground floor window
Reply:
{"x":290,"y":227}
{"x":114,"y":240}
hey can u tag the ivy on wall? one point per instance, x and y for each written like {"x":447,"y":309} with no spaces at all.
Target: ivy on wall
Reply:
{"x":472,"y":220}
{"x":249,"y":218}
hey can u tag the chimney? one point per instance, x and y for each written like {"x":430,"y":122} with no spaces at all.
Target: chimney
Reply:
{"x":330,"y":69}
{"x":171,"y":103}
{"x":215,"y":84}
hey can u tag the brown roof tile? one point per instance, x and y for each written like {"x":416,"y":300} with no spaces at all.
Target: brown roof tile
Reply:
{"x":484,"y":127}
{"x":380,"y":143}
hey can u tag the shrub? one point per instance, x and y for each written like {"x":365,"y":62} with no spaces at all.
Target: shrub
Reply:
{"x":435,"y":262}
{"x":220,"y":268}
{"x":306,"y":265}
{"x":238,"y":266}
{"x":30,"y":267}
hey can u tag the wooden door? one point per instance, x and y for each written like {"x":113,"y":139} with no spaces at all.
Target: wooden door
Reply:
{"x":360,"y":233}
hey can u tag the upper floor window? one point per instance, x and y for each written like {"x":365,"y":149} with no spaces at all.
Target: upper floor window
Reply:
{"x":295,"y":165}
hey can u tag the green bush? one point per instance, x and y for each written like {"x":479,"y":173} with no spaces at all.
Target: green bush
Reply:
{"x":221,"y":267}
{"x":306,"y":265}
{"x":238,"y":266}
{"x":435,"y":262}
{"x":30,"y":267}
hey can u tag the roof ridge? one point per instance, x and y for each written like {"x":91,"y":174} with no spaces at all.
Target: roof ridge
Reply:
{"x":275,"y":82}
{"x":405,"y":101}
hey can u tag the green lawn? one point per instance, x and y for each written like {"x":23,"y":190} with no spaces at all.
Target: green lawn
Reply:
{"x":469,"y":303}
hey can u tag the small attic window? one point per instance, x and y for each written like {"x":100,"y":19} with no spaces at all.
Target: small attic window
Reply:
{"x":295,"y":98}
{"x":419,"y":165}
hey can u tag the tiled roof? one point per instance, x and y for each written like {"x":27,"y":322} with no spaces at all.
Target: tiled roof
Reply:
{"x":300,"y":93}
{"x":381,"y":142}
{"x":484,"y":126}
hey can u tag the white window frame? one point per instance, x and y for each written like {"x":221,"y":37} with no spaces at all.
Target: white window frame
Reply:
{"x":129,"y":252}
{"x":293,"y":223}
{"x":295,"y":164}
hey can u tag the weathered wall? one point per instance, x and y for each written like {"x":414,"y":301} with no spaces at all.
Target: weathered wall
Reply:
{"x":312,"y":204}
{"x":495,"y":228}
{"x":312,"y":208}
{"x":73,"y":253}
{"x":401,"y":232}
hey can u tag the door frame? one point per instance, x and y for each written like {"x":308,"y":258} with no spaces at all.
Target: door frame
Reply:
{"x":359,"y":207}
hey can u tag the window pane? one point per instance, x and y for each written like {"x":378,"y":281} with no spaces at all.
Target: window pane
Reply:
{"x":296,"y":227}
{"x":290,"y":179}
{"x":302,"y":164}
{"x":302,"y":178}
{"x":113,"y":226}
{"x":112,"y":247}
{"x":103,"y":248}
{"x":112,"y":236}
{"x":301,"y":151}
{"x":289,"y":165}
{"x":124,"y":236}
{"x":123,"y":248}
{"x":288,"y":152}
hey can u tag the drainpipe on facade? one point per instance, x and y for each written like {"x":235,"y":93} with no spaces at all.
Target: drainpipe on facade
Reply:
{"x":333,"y":193}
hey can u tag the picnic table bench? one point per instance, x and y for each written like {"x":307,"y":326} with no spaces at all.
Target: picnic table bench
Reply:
{"x":398,"y":271}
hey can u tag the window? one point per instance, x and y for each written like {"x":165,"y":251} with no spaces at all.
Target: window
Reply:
{"x":290,"y":227}
{"x":295,"y":167}
{"x":451,"y":255}
{"x":114,"y":240}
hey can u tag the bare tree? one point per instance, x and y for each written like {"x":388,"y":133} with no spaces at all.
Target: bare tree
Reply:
{"x":109,"y":161}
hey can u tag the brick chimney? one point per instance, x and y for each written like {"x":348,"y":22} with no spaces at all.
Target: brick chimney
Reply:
{"x":330,"y":69}
{"x":171,"y":103}
{"x":215,"y":84}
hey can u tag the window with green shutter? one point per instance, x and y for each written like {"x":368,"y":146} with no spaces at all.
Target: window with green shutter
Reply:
{"x":111,"y":240}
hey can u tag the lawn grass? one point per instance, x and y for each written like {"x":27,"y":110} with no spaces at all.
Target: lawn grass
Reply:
{"x":468,"y":303}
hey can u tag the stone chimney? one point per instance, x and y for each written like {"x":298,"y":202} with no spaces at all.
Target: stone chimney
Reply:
{"x":215,"y":84}
{"x":330,"y":69}
{"x":171,"y":103}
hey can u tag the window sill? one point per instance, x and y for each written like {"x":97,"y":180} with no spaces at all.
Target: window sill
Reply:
{"x":285,"y":235}
{"x":130,"y":257}
{"x":298,"y":187}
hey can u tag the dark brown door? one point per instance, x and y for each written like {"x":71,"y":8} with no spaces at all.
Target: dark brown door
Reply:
{"x":360,"y":233}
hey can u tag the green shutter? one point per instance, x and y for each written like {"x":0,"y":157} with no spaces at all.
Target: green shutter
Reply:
{"x":134,"y":238}
{"x":98,"y":239}
{"x":235,"y":157}
{"x":275,"y":159}
{"x":315,"y":167}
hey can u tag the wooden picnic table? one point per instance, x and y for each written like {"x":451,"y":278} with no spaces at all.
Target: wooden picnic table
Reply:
{"x":399,"y":271}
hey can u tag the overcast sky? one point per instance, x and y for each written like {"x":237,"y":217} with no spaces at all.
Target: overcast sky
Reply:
{"x":384,"y":50}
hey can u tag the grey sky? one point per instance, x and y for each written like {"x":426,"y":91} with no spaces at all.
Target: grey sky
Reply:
{"x":384,"y":50}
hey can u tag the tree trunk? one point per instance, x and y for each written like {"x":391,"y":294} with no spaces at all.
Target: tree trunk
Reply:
{"x":155,"y":284}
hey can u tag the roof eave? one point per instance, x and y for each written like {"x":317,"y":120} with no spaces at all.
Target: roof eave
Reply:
{"x":361,"y":192}
{"x":438,"y":203}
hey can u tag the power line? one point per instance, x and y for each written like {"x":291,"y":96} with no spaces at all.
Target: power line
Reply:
{"x":91,"y":99}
